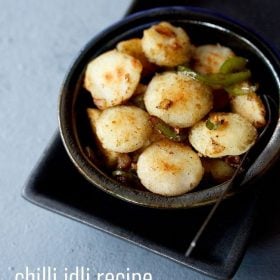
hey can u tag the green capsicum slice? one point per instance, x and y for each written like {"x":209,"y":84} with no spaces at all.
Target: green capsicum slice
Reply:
{"x":166,"y":130}
{"x":217,"y":79}
{"x":233,"y":64}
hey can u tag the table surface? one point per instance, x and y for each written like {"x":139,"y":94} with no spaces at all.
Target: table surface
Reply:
{"x":38,"y":42}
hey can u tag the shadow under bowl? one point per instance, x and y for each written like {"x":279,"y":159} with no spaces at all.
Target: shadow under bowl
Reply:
{"x":203,"y":27}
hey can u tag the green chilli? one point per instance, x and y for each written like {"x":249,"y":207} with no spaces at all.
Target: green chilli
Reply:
{"x":212,"y":126}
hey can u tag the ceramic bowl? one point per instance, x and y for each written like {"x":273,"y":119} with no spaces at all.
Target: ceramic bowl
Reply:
{"x":203,"y":27}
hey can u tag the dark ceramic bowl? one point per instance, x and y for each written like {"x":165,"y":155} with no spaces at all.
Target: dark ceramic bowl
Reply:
{"x":203,"y":27}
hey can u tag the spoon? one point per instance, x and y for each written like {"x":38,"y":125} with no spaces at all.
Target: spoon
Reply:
{"x":237,"y":177}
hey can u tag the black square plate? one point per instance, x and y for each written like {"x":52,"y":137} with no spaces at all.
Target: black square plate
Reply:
{"x":55,"y":184}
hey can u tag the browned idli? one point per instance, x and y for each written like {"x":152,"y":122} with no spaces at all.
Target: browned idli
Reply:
{"x":169,"y":168}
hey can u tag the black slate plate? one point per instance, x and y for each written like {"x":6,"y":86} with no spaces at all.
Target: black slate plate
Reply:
{"x":56,"y":185}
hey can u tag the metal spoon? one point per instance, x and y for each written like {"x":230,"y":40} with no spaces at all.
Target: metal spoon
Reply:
{"x":235,"y":180}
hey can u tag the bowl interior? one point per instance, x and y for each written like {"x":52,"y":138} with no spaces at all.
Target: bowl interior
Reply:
{"x":203,"y":28}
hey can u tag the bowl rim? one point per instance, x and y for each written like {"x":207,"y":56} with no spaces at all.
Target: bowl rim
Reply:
{"x":192,"y":199}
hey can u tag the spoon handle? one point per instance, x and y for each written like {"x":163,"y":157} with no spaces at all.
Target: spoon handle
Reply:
{"x":236,"y":178}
